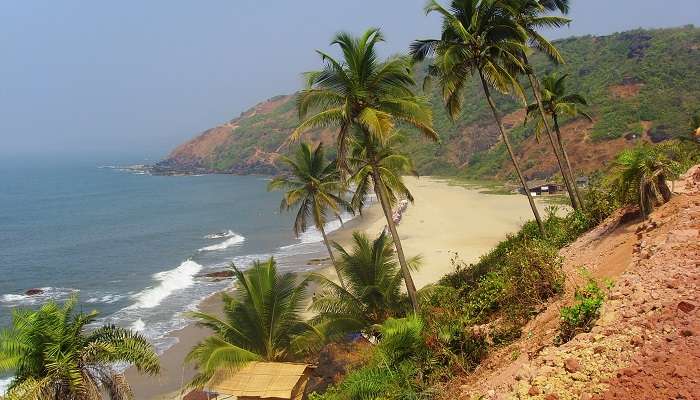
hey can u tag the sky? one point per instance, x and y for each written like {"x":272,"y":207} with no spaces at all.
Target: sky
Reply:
{"x":134,"y":78}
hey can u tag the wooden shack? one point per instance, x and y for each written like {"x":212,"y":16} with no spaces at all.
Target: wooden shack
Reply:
{"x":261,"y":380}
{"x":540,"y":188}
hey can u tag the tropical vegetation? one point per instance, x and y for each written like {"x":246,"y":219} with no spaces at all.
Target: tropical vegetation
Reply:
{"x":479,"y":37}
{"x":53,"y":355}
{"x":365,"y":98}
{"x":314,"y":187}
{"x":373,"y":290}
{"x":261,"y":322}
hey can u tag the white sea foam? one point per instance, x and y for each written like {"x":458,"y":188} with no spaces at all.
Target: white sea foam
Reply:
{"x":170,"y":282}
{"x":138,"y":325}
{"x":47,"y":293}
{"x":231,"y":241}
{"x":105,"y":299}
{"x":220,"y":235}
{"x":4,"y":384}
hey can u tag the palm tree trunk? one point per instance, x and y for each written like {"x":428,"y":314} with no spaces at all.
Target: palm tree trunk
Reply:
{"x":534,"y":83}
{"x":386,"y":207}
{"x":330,"y":254}
{"x":536,"y":213}
{"x":566,"y":157}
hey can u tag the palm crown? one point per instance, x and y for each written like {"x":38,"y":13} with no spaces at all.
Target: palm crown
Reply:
{"x":373,"y":288}
{"x":478,"y":36}
{"x":260,"y":322}
{"x":390,"y":164}
{"x":361,"y":92}
{"x":53,"y":356}
{"x":313,"y":186}
{"x":557,"y":102}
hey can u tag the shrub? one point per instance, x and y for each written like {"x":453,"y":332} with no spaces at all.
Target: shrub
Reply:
{"x":581,"y":316}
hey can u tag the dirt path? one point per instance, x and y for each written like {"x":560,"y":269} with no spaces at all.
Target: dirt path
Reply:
{"x":646,"y":343}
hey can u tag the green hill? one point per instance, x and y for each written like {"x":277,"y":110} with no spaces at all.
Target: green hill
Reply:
{"x":640,"y":84}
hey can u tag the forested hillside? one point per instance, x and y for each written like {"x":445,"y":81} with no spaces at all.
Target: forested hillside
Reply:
{"x":639,"y":84}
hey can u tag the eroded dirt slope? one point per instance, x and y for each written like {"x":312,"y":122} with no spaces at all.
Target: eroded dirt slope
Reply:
{"x":645,"y":344}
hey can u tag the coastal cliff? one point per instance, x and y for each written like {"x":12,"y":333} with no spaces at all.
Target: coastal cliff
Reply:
{"x":637,"y":83}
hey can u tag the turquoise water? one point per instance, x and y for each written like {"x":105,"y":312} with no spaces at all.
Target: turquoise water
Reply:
{"x":132,"y":245}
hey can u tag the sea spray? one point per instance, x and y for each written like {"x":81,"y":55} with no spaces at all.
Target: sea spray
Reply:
{"x":170,"y":281}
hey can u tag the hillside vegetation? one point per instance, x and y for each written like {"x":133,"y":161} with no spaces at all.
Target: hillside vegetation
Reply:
{"x":640,"y":84}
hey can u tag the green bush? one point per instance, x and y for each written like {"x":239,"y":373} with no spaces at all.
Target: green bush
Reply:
{"x":581,"y":316}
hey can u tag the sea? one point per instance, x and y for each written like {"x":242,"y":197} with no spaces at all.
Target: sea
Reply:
{"x":134,"y":246}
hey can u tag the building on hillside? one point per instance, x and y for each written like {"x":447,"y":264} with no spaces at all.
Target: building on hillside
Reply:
{"x":261,"y":381}
{"x":541,"y":188}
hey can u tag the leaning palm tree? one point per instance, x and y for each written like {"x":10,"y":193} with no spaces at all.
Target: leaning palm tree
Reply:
{"x":314,"y":187}
{"x":557,"y":103}
{"x":365,"y":97}
{"x":478,"y":37}
{"x":373,"y":292}
{"x":52,"y":356}
{"x":531,"y":16}
{"x":260,"y":322}
{"x":640,"y":176}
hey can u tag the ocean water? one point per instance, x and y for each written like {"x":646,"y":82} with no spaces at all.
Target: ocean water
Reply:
{"x":131,"y":245}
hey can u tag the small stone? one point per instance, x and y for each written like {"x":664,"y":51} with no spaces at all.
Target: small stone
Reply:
{"x":551,"y":396}
{"x":534,"y":391}
{"x":686,"y":307}
{"x":636,"y":341}
{"x":571,"y":365}
{"x":687,"y":333}
{"x":598,"y":349}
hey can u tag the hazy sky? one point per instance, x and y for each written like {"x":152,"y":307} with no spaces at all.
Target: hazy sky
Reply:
{"x":137,"y":77}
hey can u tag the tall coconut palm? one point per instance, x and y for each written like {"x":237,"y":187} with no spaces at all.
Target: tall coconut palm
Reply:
{"x":260,"y":322}
{"x":531,"y":16}
{"x":557,"y":103}
{"x":373,"y":292}
{"x":478,"y":37}
{"x":365,"y":97}
{"x":640,"y":176}
{"x":54,"y":356}
{"x":314,"y":187}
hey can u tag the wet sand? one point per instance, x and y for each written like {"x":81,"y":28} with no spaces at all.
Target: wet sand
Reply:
{"x":445,"y":220}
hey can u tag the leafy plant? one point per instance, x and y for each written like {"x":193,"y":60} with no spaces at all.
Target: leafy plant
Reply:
{"x":581,"y":316}
{"x":373,"y":291}
{"x":53,"y":356}
{"x":314,"y":187}
{"x":262,"y":321}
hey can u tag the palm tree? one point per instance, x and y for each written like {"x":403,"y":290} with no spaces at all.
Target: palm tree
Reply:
{"x":260,"y":322}
{"x":365,"y":97}
{"x":478,"y":36}
{"x":558,"y":103}
{"x":640,"y":175}
{"x":530,"y":16}
{"x":313,"y":186}
{"x":53,"y":356}
{"x":373,"y":293}
{"x":370,"y":158}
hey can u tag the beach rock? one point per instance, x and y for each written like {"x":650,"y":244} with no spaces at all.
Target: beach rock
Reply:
{"x":571,"y":365}
{"x":218,"y":274}
{"x":34,"y":292}
{"x":686,"y":307}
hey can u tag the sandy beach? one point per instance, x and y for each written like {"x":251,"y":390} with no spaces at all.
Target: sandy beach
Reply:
{"x":446,"y":220}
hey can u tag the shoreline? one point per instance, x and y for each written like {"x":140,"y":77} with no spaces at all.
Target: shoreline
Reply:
{"x":446,"y":219}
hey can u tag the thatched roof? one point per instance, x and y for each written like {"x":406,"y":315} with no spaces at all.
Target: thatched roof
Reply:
{"x":261,"y":380}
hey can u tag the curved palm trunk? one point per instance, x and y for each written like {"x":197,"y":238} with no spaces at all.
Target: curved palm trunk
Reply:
{"x":386,"y":207}
{"x":566,"y":156}
{"x":536,"y":213}
{"x":565,"y":174}
{"x":330,"y":254}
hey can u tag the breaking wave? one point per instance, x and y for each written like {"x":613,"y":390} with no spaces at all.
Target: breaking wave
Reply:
{"x":231,"y":241}
{"x":170,"y":282}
